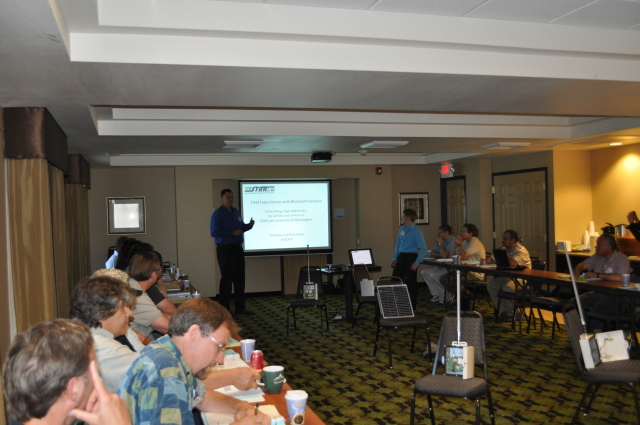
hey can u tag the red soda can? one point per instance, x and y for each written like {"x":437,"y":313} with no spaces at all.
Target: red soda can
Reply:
{"x":256,"y":359}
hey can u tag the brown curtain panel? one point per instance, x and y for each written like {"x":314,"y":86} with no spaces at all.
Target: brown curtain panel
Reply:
{"x":59,"y":228}
{"x":31,"y":241}
{"x":77,"y":209}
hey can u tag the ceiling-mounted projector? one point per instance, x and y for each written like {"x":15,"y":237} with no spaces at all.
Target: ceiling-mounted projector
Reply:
{"x":321,"y":156}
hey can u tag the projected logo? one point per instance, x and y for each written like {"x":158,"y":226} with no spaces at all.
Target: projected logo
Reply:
{"x":259,"y":189}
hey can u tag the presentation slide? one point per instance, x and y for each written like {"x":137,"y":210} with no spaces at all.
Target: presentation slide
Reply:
{"x":288,"y":215}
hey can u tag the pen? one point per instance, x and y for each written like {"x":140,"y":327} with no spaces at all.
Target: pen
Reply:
{"x":256,"y":412}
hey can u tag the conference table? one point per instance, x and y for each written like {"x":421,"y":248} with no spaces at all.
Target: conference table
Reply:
{"x":278,"y":399}
{"x":610,"y":287}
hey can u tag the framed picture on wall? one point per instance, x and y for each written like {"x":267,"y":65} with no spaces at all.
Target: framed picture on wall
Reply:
{"x":126,"y":216}
{"x":419,"y":202}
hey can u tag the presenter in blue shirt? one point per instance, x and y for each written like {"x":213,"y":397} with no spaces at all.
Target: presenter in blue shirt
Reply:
{"x":408,"y":254}
{"x":227,"y":228}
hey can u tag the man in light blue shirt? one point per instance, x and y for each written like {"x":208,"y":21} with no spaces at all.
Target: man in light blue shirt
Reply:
{"x":445,"y":245}
{"x":408,"y":254}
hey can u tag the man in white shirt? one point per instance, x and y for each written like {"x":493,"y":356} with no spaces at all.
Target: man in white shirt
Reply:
{"x":145,"y":270}
{"x":469,"y":247}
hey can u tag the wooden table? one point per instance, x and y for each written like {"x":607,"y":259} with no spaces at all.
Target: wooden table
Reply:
{"x":610,"y":287}
{"x":348,"y":287}
{"x":278,"y":399}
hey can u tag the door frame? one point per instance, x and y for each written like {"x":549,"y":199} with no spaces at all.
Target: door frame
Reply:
{"x":546,"y":201}
{"x":443,"y":198}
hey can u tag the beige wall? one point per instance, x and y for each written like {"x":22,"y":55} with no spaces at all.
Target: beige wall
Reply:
{"x":416,"y":179}
{"x":573,"y":197}
{"x":157,"y":185}
{"x":478,"y":173}
{"x":5,"y":329}
{"x":615,"y":174}
{"x":196,"y":199}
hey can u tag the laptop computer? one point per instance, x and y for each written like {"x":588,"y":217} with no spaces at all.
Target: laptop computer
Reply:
{"x":502,"y":260}
{"x":362,"y":256}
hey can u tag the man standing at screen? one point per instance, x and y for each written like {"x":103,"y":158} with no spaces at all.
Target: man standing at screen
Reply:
{"x":227,"y":228}
{"x":408,"y":254}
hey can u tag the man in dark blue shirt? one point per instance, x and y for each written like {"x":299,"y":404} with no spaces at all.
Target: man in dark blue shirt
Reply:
{"x":227,"y":228}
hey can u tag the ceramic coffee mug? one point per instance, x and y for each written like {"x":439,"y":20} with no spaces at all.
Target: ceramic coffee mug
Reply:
{"x":272,"y":379}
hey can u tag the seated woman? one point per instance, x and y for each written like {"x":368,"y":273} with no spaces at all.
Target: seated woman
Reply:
{"x":104,"y":302}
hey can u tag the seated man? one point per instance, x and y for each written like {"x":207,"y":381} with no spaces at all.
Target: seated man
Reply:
{"x":445,"y":244}
{"x":111,"y":262}
{"x":104,"y":303}
{"x":50,"y":376}
{"x":517,"y":256}
{"x":157,"y":292}
{"x":144,"y":271}
{"x":607,"y":264}
{"x":160,"y":386}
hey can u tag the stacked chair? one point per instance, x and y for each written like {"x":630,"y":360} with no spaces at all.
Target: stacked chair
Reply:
{"x":454,"y":386}
{"x":361,"y":272}
{"x":314,"y":274}
{"x":615,"y":372}
{"x":401,"y":322}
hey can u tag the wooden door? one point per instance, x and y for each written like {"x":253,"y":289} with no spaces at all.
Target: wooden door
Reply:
{"x":520,"y":203}
{"x":456,"y":205}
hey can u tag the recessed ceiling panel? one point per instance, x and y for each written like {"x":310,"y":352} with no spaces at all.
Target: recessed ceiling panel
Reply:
{"x":612,"y":14}
{"x":525,"y":10}
{"x":428,"y":7}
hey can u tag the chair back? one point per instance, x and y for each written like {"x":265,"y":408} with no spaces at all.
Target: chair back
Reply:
{"x":389,"y":280}
{"x":574,"y":329}
{"x":360,"y":272}
{"x":472,"y":333}
{"x":538,"y":264}
{"x":316,"y":277}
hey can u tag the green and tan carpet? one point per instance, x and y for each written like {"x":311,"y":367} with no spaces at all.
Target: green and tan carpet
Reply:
{"x":532,"y":379}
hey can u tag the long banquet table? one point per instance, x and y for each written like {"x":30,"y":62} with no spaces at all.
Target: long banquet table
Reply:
{"x":278,"y":399}
{"x":613,"y":288}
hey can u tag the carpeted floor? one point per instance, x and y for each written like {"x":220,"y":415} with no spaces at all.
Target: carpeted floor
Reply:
{"x":532,"y":380}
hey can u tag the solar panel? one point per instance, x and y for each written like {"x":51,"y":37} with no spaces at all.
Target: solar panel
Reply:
{"x":394,"y":301}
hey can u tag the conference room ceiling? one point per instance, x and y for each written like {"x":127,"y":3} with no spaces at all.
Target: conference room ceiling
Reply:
{"x":166,"y":82}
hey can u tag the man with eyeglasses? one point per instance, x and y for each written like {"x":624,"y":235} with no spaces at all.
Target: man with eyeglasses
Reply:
{"x":161,"y":384}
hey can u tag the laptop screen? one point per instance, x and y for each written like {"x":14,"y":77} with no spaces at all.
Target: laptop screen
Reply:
{"x":500,"y":256}
{"x":361,"y":256}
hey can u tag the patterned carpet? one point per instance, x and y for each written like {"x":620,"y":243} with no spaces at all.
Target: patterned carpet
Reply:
{"x":532,"y":380}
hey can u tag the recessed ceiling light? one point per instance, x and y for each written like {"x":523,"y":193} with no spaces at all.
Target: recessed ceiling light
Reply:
{"x":383,"y":144}
{"x":242,"y":144}
{"x":506,"y":145}
{"x":615,"y":144}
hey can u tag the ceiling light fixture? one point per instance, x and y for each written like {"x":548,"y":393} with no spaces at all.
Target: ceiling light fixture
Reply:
{"x":615,"y":144}
{"x":383,"y":144}
{"x":242,"y":144}
{"x":506,"y":145}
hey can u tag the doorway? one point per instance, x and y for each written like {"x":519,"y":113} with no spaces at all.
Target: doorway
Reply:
{"x":520,"y":203}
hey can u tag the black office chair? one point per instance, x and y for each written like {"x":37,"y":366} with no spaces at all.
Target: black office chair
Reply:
{"x":451,"y":385}
{"x":398,"y":323}
{"x":544,"y":302}
{"x":618,"y":372}
{"x":524,"y":292}
{"x":316,"y":277}
{"x":360,"y":271}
